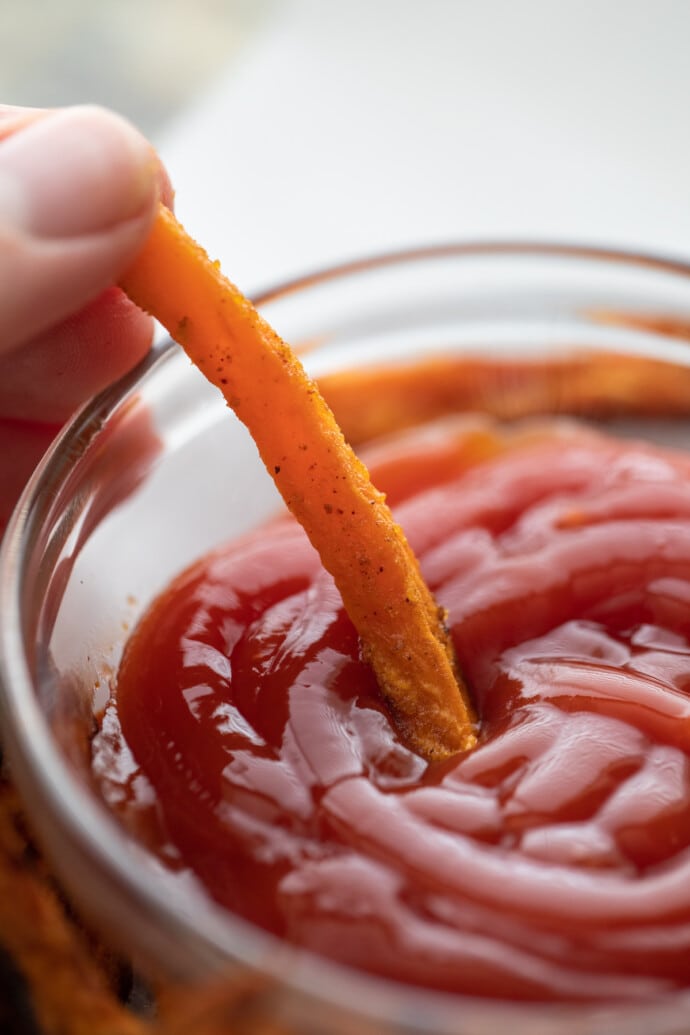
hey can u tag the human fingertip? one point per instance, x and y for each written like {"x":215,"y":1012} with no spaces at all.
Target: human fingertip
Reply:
{"x":166,"y":192}
{"x":13,"y":118}
{"x":76,"y":171}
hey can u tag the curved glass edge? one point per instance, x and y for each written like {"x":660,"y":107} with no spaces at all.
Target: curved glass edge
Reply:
{"x":40,"y":769}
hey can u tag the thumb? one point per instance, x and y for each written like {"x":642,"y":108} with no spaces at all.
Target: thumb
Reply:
{"x":78,"y":189}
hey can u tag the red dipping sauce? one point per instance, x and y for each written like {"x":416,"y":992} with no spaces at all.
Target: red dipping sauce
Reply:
{"x":247,"y":743}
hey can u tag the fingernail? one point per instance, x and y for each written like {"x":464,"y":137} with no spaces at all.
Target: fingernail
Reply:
{"x":75,"y":172}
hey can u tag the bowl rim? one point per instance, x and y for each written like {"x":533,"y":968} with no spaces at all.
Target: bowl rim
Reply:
{"x":39,"y":767}
{"x":498,"y":248}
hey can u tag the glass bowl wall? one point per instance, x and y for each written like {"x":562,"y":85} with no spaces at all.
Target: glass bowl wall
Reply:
{"x":154,"y":473}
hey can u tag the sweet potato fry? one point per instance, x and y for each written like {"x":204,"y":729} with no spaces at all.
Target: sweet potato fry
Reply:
{"x":69,"y":989}
{"x":598,"y":385}
{"x":326,"y":487}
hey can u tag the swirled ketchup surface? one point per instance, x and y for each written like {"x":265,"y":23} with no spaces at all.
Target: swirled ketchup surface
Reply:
{"x":247,"y":742}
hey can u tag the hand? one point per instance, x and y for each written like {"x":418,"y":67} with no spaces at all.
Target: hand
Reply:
{"x":78,"y":192}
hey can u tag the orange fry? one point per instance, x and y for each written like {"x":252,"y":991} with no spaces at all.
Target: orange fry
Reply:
{"x":588,"y":384}
{"x":326,"y":487}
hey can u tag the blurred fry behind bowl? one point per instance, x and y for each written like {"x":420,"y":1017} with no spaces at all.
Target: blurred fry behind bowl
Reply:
{"x":156,"y":471}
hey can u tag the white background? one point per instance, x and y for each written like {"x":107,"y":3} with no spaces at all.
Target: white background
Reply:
{"x":347,"y":127}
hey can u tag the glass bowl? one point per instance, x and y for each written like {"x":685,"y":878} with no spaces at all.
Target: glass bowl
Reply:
{"x":155,"y":472}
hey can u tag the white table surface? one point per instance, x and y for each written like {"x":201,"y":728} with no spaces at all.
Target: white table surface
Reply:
{"x":351,"y":127}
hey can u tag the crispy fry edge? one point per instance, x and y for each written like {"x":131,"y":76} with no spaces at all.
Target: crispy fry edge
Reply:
{"x":402,"y":631}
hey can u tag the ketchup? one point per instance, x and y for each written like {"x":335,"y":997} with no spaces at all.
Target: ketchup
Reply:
{"x":246,"y":741}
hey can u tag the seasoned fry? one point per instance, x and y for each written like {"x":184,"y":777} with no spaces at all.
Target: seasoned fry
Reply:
{"x":70,"y":993}
{"x":594,"y":384}
{"x":326,"y":487}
